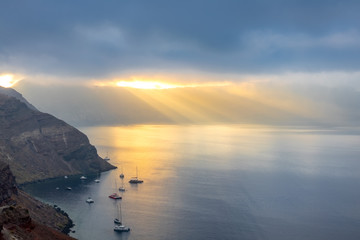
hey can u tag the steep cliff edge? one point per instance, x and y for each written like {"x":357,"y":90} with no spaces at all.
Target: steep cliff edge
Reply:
{"x":39,"y":146}
{"x":22,"y":217}
{"x":13,"y":93}
{"x":7,"y":183}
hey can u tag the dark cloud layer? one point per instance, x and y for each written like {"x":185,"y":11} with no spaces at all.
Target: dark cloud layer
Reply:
{"x":91,"y":38}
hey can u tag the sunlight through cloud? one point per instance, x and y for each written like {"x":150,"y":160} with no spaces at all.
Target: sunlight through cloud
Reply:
{"x":155,"y":84}
{"x":7,"y":80}
{"x":145,"y":85}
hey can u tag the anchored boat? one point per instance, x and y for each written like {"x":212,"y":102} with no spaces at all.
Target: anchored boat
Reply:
{"x":119,"y":227}
{"x":115,"y":196}
{"x":136,"y":180}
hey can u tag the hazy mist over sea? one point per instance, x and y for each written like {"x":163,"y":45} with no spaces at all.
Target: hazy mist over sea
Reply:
{"x":294,"y":104}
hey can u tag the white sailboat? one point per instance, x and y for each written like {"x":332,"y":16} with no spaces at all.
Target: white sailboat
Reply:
{"x":136,"y":180}
{"x":119,"y":227}
{"x":118,"y":216}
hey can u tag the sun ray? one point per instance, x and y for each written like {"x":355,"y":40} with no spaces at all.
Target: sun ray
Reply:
{"x":145,"y":85}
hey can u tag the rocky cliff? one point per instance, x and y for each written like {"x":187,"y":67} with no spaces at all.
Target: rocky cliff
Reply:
{"x":22,"y":217}
{"x":38,"y":146}
{"x":7,"y":183}
{"x":13,"y":93}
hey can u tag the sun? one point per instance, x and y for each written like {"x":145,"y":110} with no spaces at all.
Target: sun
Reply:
{"x":7,"y":80}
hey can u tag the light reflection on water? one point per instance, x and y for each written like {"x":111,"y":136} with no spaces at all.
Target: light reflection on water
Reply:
{"x":218,"y":182}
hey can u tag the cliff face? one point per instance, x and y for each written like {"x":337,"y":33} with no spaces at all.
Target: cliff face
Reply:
{"x":23,"y":217}
{"x":7,"y":183}
{"x":38,"y":146}
{"x":13,"y":93}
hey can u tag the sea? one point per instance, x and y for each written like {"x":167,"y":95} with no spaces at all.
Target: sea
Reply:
{"x":204,"y":182}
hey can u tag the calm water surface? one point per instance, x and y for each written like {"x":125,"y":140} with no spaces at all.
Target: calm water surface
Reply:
{"x":217,"y":182}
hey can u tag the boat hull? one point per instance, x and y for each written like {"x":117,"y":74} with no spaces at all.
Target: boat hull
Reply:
{"x":115,"y":196}
{"x":121,"y":229}
{"x":135,"y":181}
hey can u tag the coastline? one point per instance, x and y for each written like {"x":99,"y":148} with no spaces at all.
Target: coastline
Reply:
{"x":20,"y":185}
{"x":66,"y":228}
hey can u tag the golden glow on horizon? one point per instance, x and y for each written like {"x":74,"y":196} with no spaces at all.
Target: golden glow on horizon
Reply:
{"x":7,"y":80}
{"x":142,"y":151}
{"x":213,"y":101}
{"x":194,"y":105}
{"x":243,"y":102}
{"x":146,"y":85}
{"x":158,"y":83}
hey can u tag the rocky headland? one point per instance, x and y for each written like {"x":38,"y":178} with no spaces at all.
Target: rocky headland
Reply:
{"x":23,"y":217}
{"x":39,"y":146}
{"x":35,"y":146}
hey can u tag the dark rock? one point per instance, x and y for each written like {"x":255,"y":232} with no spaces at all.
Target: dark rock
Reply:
{"x":23,"y":217}
{"x":12,"y":215}
{"x":7,"y":183}
{"x":13,"y":93}
{"x":38,"y":146}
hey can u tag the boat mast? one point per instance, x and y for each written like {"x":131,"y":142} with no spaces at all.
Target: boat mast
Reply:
{"x":120,"y":215}
{"x":117,"y":212}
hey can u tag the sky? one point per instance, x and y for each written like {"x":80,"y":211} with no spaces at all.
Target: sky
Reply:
{"x":287,"y":55}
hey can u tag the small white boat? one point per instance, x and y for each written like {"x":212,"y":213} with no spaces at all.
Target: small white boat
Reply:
{"x":121,"y":189}
{"x":89,"y":200}
{"x":106,"y":158}
{"x":83,"y":178}
{"x":69,"y":188}
{"x":65,"y":177}
{"x":121,"y":228}
{"x":97,"y":180}
{"x":57,"y":188}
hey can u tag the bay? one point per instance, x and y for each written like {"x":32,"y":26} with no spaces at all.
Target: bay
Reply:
{"x":217,"y":182}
